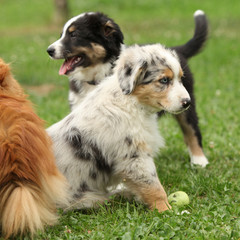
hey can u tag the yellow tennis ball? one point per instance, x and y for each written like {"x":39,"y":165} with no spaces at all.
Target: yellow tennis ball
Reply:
{"x":178,"y":198}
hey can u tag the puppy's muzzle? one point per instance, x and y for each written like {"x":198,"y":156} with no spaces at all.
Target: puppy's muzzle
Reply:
{"x":186,"y":102}
{"x":51,"y":51}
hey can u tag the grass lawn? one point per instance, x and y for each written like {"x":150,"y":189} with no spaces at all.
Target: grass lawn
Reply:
{"x":26,"y":30}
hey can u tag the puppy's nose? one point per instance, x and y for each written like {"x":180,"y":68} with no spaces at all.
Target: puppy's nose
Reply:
{"x":51,"y":51}
{"x":186,"y":102}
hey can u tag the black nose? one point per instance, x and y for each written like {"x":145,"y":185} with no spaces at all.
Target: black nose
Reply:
{"x":51,"y":51}
{"x":186,"y":102}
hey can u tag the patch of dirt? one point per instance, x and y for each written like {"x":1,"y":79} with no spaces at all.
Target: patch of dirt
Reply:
{"x":41,"y":90}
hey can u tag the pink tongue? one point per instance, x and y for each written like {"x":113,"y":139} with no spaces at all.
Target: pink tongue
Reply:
{"x":66,"y":66}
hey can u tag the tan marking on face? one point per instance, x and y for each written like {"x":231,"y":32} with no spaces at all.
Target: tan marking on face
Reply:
{"x":96,"y":53}
{"x":155,"y":94}
{"x":72,"y":29}
{"x":168,"y":73}
{"x":99,"y":51}
{"x":181,"y":73}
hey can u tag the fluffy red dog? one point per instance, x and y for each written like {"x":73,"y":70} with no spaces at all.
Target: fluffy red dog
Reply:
{"x":30,"y":184}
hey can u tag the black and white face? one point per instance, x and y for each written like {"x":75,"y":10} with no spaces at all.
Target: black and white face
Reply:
{"x":153,"y":74}
{"x":86,"y":40}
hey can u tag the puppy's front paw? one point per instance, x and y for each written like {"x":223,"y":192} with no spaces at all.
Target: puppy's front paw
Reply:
{"x":163,"y":206}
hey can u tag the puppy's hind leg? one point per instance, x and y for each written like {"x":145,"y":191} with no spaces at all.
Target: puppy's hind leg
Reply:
{"x":188,"y":122}
{"x":89,"y":199}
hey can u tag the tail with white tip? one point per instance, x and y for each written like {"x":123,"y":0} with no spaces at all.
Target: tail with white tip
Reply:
{"x":194,"y":45}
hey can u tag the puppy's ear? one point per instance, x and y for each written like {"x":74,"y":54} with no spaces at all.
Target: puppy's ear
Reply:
{"x":130,"y":76}
{"x":108,"y":28}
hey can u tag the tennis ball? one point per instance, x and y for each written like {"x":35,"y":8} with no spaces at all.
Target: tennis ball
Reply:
{"x":178,"y":198}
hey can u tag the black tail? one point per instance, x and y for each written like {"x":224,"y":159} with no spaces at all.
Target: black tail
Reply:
{"x":194,"y":45}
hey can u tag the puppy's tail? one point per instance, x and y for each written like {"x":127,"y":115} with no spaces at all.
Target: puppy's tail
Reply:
{"x":194,"y":45}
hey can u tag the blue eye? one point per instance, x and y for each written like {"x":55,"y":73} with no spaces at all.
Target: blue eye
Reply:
{"x":164,"y":80}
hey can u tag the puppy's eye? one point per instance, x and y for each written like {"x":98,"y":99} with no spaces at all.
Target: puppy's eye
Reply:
{"x":164,"y":80}
{"x":73,"y":34}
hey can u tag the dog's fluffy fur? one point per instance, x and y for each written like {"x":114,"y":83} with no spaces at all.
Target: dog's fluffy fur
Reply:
{"x":30,"y":183}
{"x":91,"y":43}
{"x":112,"y":136}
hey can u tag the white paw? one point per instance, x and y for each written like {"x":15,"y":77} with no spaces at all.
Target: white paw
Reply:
{"x":199,"y":160}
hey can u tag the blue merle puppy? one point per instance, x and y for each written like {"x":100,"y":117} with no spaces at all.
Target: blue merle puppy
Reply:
{"x":112,"y":136}
{"x":90,"y":44}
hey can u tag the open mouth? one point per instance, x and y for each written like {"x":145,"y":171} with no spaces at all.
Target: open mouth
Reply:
{"x":70,"y":64}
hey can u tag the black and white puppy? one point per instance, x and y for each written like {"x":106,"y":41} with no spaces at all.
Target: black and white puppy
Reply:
{"x":112,"y":136}
{"x":91,"y":43}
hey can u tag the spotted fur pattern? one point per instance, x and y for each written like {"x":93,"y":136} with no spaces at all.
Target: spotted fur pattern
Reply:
{"x":112,"y":136}
{"x":92,"y":42}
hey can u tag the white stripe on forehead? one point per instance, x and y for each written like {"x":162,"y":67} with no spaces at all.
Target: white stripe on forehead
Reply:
{"x":70,"y":21}
{"x":168,"y":55}
{"x":174,"y":65}
{"x":172,"y":60}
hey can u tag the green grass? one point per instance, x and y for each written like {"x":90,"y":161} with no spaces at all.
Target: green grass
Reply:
{"x":26,"y":31}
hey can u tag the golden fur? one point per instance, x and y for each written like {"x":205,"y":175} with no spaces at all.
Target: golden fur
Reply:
{"x":30,"y":184}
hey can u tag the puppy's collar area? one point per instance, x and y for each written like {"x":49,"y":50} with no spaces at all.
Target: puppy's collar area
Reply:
{"x":112,"y":63}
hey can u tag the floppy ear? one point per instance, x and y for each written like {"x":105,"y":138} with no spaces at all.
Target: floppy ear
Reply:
{"x":130,"y":76}
{"x":108,"y":28}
